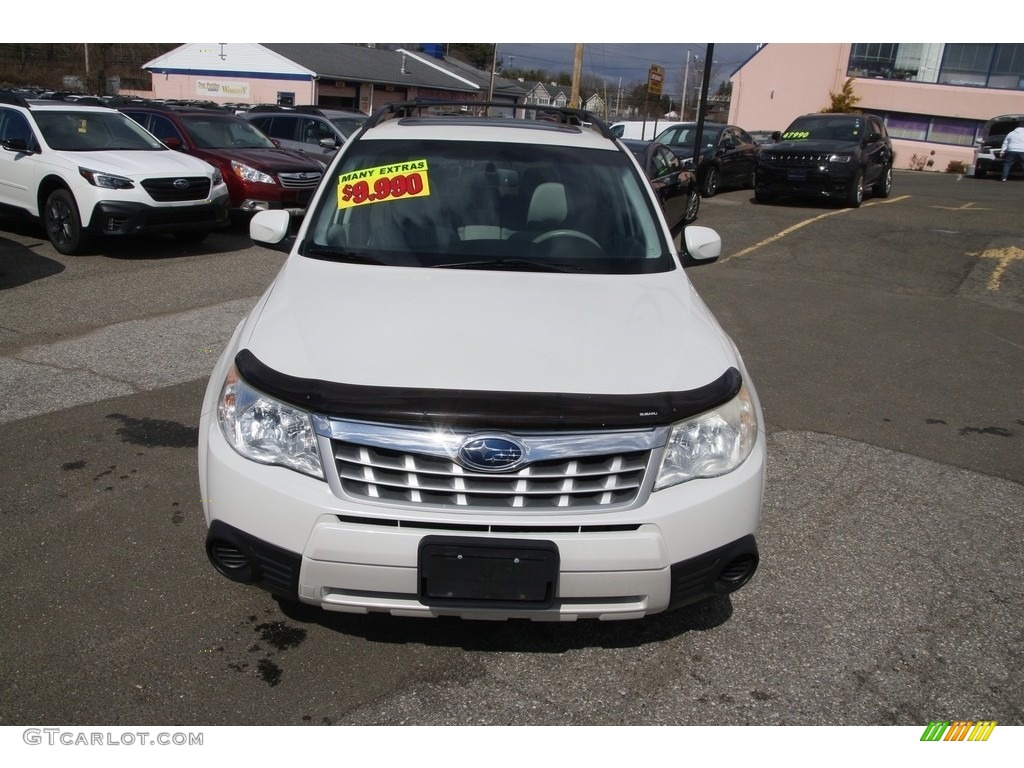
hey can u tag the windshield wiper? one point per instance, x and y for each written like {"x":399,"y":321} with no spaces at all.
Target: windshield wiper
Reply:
{"x":339,"y":254}
{"x":512,"y":265}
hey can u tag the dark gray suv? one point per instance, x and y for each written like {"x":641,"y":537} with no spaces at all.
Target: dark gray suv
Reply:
{"x":318,"y":131}
{"x":830,"y":156}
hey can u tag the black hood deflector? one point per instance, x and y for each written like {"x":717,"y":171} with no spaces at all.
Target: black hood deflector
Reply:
{"x":486,"y":410}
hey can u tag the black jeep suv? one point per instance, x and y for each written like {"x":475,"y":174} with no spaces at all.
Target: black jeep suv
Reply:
{"x":832,"y":156}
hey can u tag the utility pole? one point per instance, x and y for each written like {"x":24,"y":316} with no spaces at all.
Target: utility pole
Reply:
{"x":490,"y":89}
{"x":577,"y":68}
{"x":686,"y":80}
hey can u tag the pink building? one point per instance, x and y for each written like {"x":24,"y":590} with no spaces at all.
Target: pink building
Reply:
{"x":933,"y":97}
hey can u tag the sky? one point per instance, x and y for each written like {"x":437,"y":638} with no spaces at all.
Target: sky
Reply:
{"x":618,"y":41}
{"x":629,"y":62}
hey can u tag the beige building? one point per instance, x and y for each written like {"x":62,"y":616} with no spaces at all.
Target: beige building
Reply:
{"x":933,"y":97}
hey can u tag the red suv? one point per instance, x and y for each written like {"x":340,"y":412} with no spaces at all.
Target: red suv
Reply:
{"x":259,"y":174}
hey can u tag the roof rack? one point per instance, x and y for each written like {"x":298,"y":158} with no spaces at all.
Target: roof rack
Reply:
{"x":10,"y":97}
{"x":173,"y":105}
{"x":270,"y":108}
{"x":430,"y":108}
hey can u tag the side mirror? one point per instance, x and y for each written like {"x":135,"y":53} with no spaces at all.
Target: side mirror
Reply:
{"x":328,"y":142}
{"x":873,"y":137}
{"x":174,"y":143}
{"x":17,"y":145}
{"x":776,"y":135}
{"x":701,"y":245}
{"x":270,"y":228}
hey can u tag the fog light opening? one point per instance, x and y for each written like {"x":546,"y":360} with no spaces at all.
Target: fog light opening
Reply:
{"x":737,"y":572}
{"x":231,"y":561}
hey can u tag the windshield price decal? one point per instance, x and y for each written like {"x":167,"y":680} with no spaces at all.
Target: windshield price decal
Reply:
{"x":387,"y":182}
{"x":796,"y":135}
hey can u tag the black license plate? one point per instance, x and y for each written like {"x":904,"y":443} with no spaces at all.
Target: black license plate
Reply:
{"x":487,"y":572}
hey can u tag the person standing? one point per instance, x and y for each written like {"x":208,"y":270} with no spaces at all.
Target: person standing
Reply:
{"x":1013,"y":150}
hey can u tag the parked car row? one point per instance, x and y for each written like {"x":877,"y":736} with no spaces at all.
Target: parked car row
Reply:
{"x":88,"y":167}
{"x":98,"y":170}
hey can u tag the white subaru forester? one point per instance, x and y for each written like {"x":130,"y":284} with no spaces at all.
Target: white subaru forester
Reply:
{"x":482,"y":385}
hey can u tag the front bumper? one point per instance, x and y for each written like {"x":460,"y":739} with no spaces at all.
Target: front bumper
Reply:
{"x":121,"y":218}
{"x":803,"y":181}
{"x":292,"y":535}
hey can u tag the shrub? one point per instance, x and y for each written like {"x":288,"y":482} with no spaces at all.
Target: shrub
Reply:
{"x":920,"y":162}
{"x":956,"y":166}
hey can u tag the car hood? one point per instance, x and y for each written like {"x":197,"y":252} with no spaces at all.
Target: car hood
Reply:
{"x":139,"y":163}
{"x":813,"y":145}
{"x":487,"y":330}
{"x":274,"y":160}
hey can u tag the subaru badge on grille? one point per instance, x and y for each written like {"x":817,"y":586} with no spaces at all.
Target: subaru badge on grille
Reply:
{"x":491,"y":453}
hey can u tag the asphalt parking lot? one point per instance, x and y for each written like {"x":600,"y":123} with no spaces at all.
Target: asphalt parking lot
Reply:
{"x":887,"y":345}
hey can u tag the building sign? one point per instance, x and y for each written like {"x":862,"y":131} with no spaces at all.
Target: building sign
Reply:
{"x":237,"y":91}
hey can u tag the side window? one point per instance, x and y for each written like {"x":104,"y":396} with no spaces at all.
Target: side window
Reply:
{"x":664,"y":162}
{"x":312,"y":130}
{"x":275,"y":128}
{"x":164,"y":129}
{"x":744,"y":137}
{"x":14,"y":126}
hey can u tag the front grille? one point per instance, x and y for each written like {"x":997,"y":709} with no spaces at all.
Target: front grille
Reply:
{"x":174,"y":189}
{"x":305,"y":180}
{"x":385,"y":475}
{"x":795,"y":159}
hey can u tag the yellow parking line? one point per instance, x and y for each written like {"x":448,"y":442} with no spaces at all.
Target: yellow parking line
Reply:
{"x":804,"y":223}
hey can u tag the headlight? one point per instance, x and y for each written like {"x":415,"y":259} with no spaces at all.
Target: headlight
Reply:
{"x":840,"y":158}
{"x":266,"y":430}
{"x":218,"y":178}
{"x":105,"y":180}
{"x":711,"y":444}
{"x":248,"y":173}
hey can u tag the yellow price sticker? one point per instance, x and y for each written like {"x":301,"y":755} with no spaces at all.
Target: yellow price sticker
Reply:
{"x":386,"y":182}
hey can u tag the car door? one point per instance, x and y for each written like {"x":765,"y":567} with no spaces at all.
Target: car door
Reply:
{"x":735,"y":155}
{"x":17,"y":166}
{"x":317,"y":137}
{"x":876,"y":151}
{"x":664,"y":169}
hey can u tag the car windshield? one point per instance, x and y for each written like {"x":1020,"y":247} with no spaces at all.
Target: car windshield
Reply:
{"x":218,"y":133}
{"x":483,"y":205}
{"x":677,"y":136}
{"x":81,"y":131}
{"x":348,"y":125}
{"x":825,"y":129}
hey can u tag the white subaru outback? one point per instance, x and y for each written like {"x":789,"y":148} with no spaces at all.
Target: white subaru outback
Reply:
{"x":88,"y":170}
{"x":482,"y":385}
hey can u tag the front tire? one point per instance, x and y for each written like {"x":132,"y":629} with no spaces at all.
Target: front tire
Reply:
{"x":63,"y":225}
